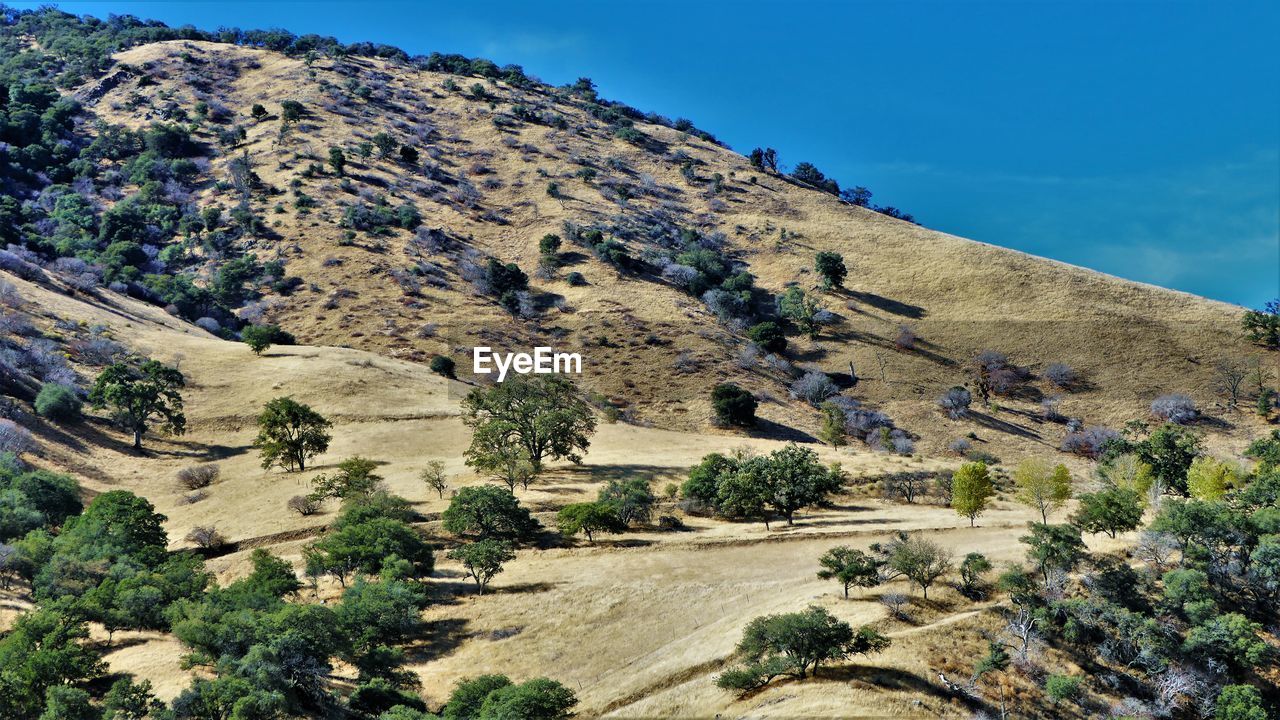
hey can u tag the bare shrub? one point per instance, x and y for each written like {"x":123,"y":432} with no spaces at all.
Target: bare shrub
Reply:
{"x":192,"y":497}
{"x":304,"y":505}
{"x":906,"y":339}
{"x":960,"y":446}
{"x":206,"y":536}
{"x":15,"y":439}
{"x":1089,"y":441}
{"x":1049,"y":407}
{"x":955,"y":402}
{"x":198,"y":476}
{"x":895,"y":602}
{"x":1061,"y":375}
{"x":906,"y":485}
{"x":814,"y":387}
{"x":1174,"y":408}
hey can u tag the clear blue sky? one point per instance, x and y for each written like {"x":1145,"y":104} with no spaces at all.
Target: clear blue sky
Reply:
{"x":1141,"y":138}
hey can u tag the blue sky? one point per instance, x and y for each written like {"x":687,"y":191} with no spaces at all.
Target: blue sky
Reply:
{"x":1137,"y":138}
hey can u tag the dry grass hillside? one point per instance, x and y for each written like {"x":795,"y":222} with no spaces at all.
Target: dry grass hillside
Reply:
{"x":637,"y":624}
{"x":482,"y":188}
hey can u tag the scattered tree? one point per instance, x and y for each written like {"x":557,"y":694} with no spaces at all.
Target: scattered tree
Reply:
{"x":920,"y":560}
{"x":733,"y":405}
{"x":589,"y":518}
{"x":1113,"y":510}
{"x":433,"y":477}
{"x":543,"y":415}
{"x":849,"y":567}
{"x":830,"y":265}
{"x":290,"y":433}
{"x":1042,"y":488}
{"x":971,"y":490}
{"x":140,"y":395}
{"x":483,"y":559}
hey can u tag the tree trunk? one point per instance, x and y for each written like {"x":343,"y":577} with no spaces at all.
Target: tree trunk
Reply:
{"x":137,"y":440}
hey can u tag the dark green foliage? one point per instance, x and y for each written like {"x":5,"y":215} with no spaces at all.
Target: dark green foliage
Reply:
{"x":443,"y":365}
{"x":795,"y":644}
{"x":806,"y":173}
{"x":1111,"y":511}
{"x":505,"y":278}
{"x":354,"y":479}
{"x":141,"y":395}
{"x":291,"y":110}
{"x":368,"y":543}
{"x":1263,"y":326}
{"x":757,"y":487}
{"x":43,"y":650}
{"x":830,"y":265}
{"x":483,"y":559}
{"x":1054,"y":547}
{"x":589,"y":518}
{"x":337,"y":161}
{"x":290,"y":434}
{"x":541,"y":414}
{"x":495,"y":697}
{"x":31,"y":499}
{"x":1239,"y":702}
{"x":733,"y":405}
{"x":261,"y":337}
{"x":850,"y":568}
{"x":632,"y":500}
{"x":1169,"y":451}
{"x":488,"y":511}
{"x":769,"y":336}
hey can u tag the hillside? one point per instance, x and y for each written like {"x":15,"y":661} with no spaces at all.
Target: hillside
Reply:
{"x":650,"y":348}
{"x":165,"y":192}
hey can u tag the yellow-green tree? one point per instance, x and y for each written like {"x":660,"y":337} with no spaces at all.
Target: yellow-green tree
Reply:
{"x":1041,"y":487}
{"x":1209,"y":478}
{"x":971,"y":490}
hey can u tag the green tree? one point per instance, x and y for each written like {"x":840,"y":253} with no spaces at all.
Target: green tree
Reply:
{"x":337,"y":161}
{"x":1231,"y":638}
{"x":1054,"y":547}
{"x":290,"y":433}
{"x":483,"y":559}
{"x":1042,"y":488}
{"x":354,"y":478}
{"x":502,"y":457}
{"x":291,"y":111}
{"x":385,"y":144}
{"x":259,"y":337}
{"x":542,"y":414}
{"x":790,"y":478}
{"x":434,"y":477}
{"x":258,"y":112}
{"x":1209,"y":478}
{"x":769,"y":336}
{"x":1239,"y":702}
{"x":488,"y":512}
{"x":849,"y":567}
{"x":972,"y":569}
{"x":832,"y":431}
{"x":444,"y":365}
{"x":1061,"y":688}
{"x":57,"y":402}
{"x":536,"y":699}
{"x":1263,"y":326}
{"x":733,"y":405}
{"x":830,"y":265}
{"x":632,"y":500}
{"x":469,"y":695}
{"x":920,"y":560}
{"x":589,"y":518}
{"x":1169,"y":451}
{"x":1113,"y":510}
{"x":43,"y":649}
{"x":796,"y":644}
{"x":800,"y":309}
{"x":139,"y":396}
{"x":971,"y":490}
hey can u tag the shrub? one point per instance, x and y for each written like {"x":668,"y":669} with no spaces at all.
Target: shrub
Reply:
{"x":58,"y":402}
{"x":1062,"y":687}
{"x":304,"y":505}
{"x":198,"y":476}
{"x":955,"y":402}
{"x":769,"y":336}
{"x":1089,"y":442}
{"x":1174,"y":408}
{"x":443,"y":365}
{"x":1061,"y":375}
{"x":830,"y":265}
{"x":15,"y":439}
{"x":575,"y":279}
{"x":206,"y":537}
{"x":733,"y":405}
{"x":814,"y":387}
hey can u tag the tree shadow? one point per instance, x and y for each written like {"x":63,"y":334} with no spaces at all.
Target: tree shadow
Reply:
{"x":771,"y":430}
{"x":896,"y":679}
{"x":438,"y":639}
{"x":1003,"y":426}
{"x":606,"y":473}
{"x":889,"y":305}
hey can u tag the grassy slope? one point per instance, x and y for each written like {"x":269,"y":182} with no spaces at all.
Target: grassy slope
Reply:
{"x":637,"y":624}
{"x":1132,"y":341}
